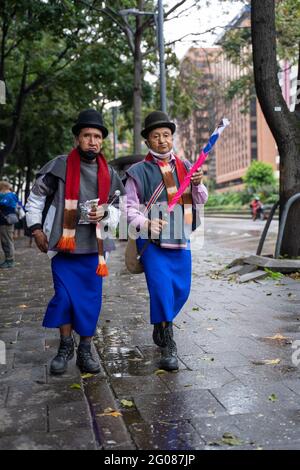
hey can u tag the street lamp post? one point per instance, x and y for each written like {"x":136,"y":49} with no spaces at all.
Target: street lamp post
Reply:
{"x":159,"y":21}
{"x":114,"y":116}
{"x":114,"y":105}
{"x":161,"y":46}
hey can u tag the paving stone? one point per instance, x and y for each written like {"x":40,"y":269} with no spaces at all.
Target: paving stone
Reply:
{"x":166,"y":436}
{"x":258,"y":430}
{"x":69,"y":415}
{"x":23,"y":375}
{"x":238,"y":399}
{"x":22,"y":419}
{"x":39,"y":394}
{"x":32,"y":358}
{"x":204,"y":378}
{"x":178,"y":406}
{"x":3,"y":395}
{"x":135,"y":386}
{"x":255,"y":375}
{"x":110,"y":430}
{"x":218,"y":360}
{"x":66,"y":440}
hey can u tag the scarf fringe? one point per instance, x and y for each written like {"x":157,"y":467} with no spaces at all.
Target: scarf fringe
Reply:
{"x":66,"y":244}
{"x":102,"y":269}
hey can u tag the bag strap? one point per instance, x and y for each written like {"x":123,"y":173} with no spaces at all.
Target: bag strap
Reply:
{"x":157,"y":192}
{"x":151,"y":202}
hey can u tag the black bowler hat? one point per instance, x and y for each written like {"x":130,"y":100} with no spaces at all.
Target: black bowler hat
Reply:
{"x":89,"y":118}
{"x":155,"y":120}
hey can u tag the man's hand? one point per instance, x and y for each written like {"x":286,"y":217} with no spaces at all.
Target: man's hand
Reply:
{"x":155,"y":226}
{"x":197,"y":177}
{"x":40,"y":240}
{"x":96,"y":215}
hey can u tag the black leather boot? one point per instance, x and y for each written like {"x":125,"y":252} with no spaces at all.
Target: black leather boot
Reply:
{"x":168,"y":360}
{"x":65,"y":352}
{"x":157,"y":334}
{"x":85,"y":360}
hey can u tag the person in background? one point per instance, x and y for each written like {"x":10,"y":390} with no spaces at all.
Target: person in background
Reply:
{"x":8,"y":203}
{"x":256,"y":208}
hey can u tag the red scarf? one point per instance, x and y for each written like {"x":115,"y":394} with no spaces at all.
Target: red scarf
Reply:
{"x":67,"y":240}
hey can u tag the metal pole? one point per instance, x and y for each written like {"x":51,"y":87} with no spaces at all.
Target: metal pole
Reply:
{"x":282,"y":223}
{"x":161,"y":46}
{"x":114,"y":115}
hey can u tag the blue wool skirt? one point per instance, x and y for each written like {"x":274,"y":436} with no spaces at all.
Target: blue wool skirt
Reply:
{"x":168,"y":274}
{"x":78,"y":293}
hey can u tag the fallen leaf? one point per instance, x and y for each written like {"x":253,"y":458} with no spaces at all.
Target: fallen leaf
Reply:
{"x":196,"y":309}
{"x":273,"y":397}
{"x":110,"y":412}
{"x":268,"y":362}
{"x":86,"y":376}
{"x":159,"y":371}
{"x":127,"y":403}
{"x":231,"y":439}
{"x":278,"y":336}
{"x":75,"y":386}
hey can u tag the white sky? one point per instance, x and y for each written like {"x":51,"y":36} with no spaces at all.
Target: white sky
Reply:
{"x":212,"y":13}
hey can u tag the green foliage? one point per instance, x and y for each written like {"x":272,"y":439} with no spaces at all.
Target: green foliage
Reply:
{"x":276,"y":276}
{"x":288,"y":29}
{"x":235,"y":199}
{"x":237,"y":47}
{"x":59,"y":57}
{"x":258,"y":175}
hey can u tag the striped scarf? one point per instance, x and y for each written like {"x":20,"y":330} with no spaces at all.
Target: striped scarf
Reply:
{"x":171,"y":188}
{"x":67,"y":240}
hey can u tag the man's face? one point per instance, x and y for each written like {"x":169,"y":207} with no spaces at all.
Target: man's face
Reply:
{"x":160,"y":140}
{"x":90,"y":139}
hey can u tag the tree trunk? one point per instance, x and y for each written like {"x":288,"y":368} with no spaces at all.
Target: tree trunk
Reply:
{"x":138,"y":77}
{"x":28,"y":175}
{"x":284,"y":125}
{"x":12,"y":139}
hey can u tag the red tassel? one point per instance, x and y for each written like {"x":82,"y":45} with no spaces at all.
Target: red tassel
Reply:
{"x":66,"y":244}
{"x":102,"y":270}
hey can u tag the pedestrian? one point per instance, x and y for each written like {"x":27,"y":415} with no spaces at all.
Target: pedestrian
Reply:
{"x":257,"y":209}
{"x":19,"y":226}
{"x":74,"y":239}
{"x":167,"y":259}
{"x":8,"y":217}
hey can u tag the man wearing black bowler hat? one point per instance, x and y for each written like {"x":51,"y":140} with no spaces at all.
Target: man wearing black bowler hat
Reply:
{"x":73,"y":242}
{"x":152,"y":183}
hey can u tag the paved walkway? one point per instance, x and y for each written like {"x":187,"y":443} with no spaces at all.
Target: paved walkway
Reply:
{"x":224,"y":395}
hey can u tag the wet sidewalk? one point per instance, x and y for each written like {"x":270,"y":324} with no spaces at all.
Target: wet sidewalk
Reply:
{"x":236,"y":388}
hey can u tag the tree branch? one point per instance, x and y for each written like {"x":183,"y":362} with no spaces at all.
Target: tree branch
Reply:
{"x":110,"y":13}
{"x":174,"y":8}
